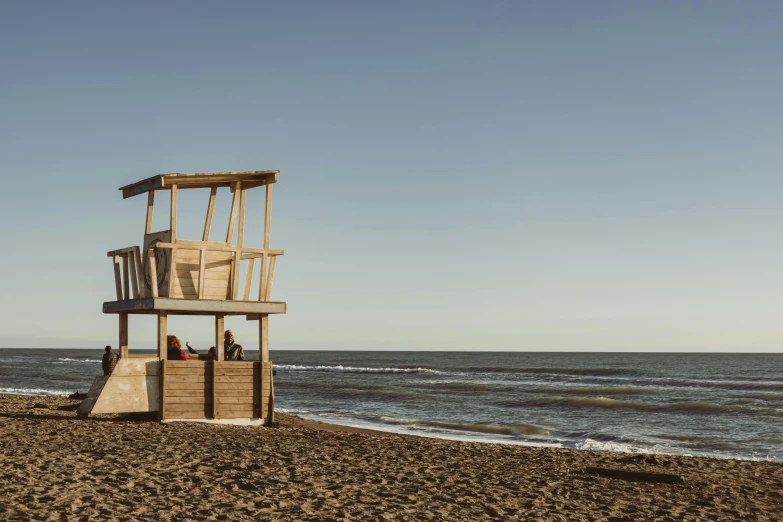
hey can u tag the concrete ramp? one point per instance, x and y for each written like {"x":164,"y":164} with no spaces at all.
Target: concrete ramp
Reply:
{"x":133,"y":387}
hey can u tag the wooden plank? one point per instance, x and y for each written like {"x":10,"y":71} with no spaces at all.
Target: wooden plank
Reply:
{"x":150,"y":205}
{"x":239,"y":371}
{"x":149,"y":184}
{"x":117,"y":281}
{"x":175,"y":380}
{"x":125,"y":277}
{"x":248,"y":393}
{"x":192,"y":254}
{"x":232,"y":215}
{"x":153,"y":271}
{"x":187,"y":399}
{"x":248,"y":400}
{"x":219,"y":343}
{"x":131,"y":259}
{"x":185,"y":371}
{"x":240,"y":241}
{"x":162,"y":392}
{"x":212,"y":366}
{"x":235,"y":410}
{"x":172,"y":409}
{"x":248,"y":279}
{"x":210,"y":208}
{"x":185,"y":364}
{"x":270,"y":279}
{"x":162,"y":333}
{"x":123,"y":335}
{"x":224,"y":381}
{"x":263,"y":338}
{"x":202,"y":266}
{"x":180,"y":392}
{"x":262,"y":283}
{"x":267,"y":215}
{"x":139,"y":272}
{"x":194,"y":307}
{"x":119,"y":252}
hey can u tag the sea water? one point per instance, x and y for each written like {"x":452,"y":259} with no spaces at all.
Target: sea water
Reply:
{"x":720,"y":405}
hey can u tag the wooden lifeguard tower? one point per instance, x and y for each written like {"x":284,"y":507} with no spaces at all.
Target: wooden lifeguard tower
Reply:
{"x":173,"y":276}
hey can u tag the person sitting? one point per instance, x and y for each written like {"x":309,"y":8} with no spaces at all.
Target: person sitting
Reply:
{"x":109,"y":361}
{"x":231,"y":350}
{"x":175,"y":351}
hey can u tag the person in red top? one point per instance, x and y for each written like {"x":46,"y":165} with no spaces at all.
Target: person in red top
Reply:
{"x":175,"y":351}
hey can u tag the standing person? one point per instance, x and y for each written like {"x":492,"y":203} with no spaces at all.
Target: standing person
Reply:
{"x":175,"y":351}
{"x":109,"y":361}
{"x":231,"y":350}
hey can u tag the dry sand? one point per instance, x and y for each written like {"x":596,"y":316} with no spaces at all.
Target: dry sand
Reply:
{"x":55,"y":467}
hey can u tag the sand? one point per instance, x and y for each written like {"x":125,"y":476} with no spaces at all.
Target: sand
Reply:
{"x":56,"y":467}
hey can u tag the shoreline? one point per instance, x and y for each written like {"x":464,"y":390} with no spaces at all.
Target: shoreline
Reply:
{"x":129,"y":468}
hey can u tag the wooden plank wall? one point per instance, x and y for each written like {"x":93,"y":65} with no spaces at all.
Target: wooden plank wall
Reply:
{"x":187,"y":390}
{"x":236,"y":390}
{"x":217,"y":272}
{"x":215,"y":389}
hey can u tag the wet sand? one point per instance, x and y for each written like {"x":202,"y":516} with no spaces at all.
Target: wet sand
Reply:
{"x":56,"y":467}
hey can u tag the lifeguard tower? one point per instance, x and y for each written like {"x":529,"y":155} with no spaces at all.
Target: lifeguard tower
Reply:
{"x":172,"y":276}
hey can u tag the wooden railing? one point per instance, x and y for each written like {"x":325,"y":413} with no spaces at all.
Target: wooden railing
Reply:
{"x":239,"y":254}
{"x":132,"y":279}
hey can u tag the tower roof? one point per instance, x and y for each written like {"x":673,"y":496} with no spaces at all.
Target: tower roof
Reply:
{"x":249,"y":179}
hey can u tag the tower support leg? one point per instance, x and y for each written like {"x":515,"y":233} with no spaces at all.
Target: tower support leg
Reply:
{"x":123,"y":335}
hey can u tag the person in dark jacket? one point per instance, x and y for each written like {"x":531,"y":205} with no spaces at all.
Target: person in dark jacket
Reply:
{"x":231,"y":350}
{"x":175,"y":351}
{"x":109,"y":361}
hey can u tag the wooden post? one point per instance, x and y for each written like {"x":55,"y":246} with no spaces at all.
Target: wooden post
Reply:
{"x":230,"y":232}
{"x":219,"y":337}
{"x":117,"y":281}
{"x":150,"y":204}
{"x":240,"y":240}
{"x":267,"y":228}
{"x":249,"y":278}
{"x":131,"y":258}
{"x":270,"y":278}
{"x":162,"y":333}
{"x":142,"y":286}
{"x":125,"y":278}
{"x":123,"y":335}
{"x":202,"y":265}
{"x":173,"y":216}
{"x":263,"y":338}
{"x":153,"y":271}
{"x":210,"y":208}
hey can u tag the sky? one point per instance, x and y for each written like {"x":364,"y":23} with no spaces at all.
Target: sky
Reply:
{"x":455,"y":175}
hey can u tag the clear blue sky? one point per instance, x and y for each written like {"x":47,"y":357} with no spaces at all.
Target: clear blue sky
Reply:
{"x":454,"y":175}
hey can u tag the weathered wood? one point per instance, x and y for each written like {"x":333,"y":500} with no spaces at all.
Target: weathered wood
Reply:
{"x":194,"y":307}
{"x":117,"y":281}
{"x":139,"y":273}
{"x":141,"y":187}
{"x":187,"y":399}
{"x":248,"y":279}
{"x":270,"y":279}
{"x":219,"y":332}
{"x":125,"y":278}
{"x":120,"y":251}
{"x":210,"y":208}
{"x":162,"y":392}
{"x":131,"y":259}
{"x":267,"y":215}
{"x":174,"y":363}
{"x":123,"y":335}
{"x":174,"y":370}
{"x":240,"y":240}
{"x":263,"y":338}
{"x":162,"y":333}
{"x":199,"y":388}
{"x":232,"y":215}
{"x":175,"y":380}
{"x":214,"y":246}
{"x":202,"y":268}
{"x":262,"y":283}
{"x":229,"y":372}
{"x":642,"y":476}
{"x":227,"y":381}
{"x":153,"y":271}
{"x":150,"y":205}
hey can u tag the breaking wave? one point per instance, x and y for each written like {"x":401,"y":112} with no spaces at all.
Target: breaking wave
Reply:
{"x":491,"y":429}
{"x":65,"y":360}
{"x":349,"y":369}
{"x":33,"y":391}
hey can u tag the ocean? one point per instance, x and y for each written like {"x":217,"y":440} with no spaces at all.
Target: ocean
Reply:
{"x":718,"y":405}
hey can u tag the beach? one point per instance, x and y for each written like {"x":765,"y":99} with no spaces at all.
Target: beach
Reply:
{"x":55,"y":466}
